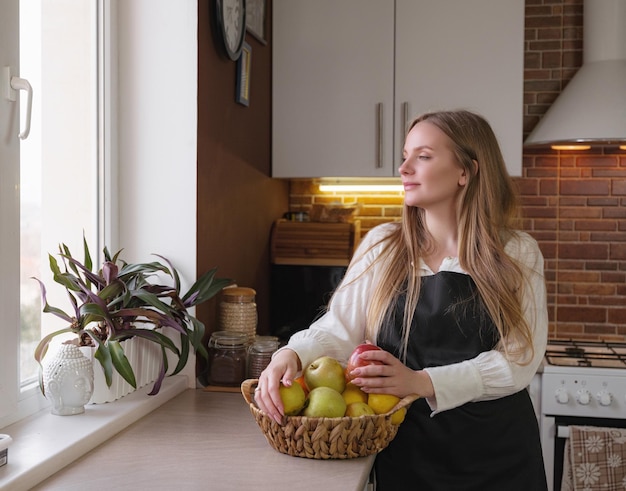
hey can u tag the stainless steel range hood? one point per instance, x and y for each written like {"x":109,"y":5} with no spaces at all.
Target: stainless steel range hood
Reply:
{"x":592,"y":107}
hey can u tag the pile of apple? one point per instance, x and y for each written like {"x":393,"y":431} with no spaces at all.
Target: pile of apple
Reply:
{"x":325,"y":390}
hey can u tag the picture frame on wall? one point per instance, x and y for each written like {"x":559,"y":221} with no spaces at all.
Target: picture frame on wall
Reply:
{"x":255,"y":19}
{"x":243,"y":75}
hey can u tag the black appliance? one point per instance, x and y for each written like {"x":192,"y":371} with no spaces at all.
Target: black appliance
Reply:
{"x":299,"y":294}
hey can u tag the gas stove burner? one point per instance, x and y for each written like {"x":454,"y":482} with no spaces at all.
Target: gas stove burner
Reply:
{"x":573,"y":353}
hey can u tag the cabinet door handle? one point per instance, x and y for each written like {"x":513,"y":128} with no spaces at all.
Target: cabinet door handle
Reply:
{"x":404,"y":126}
{"x":405,"y":118}
{"x":379,"y":135}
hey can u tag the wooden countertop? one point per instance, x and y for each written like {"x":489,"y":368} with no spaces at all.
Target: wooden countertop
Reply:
{"x":203,"y":440}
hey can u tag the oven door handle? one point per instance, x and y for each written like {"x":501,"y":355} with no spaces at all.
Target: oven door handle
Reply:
{"x":562,"y":431}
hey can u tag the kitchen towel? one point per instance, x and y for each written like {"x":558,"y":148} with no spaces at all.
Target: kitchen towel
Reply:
{"x":595,"y":459}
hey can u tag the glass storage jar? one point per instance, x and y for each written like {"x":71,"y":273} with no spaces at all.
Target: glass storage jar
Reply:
{"x":238,"y":312}
{"x":260,"y":354}
{"x":227,"y":358}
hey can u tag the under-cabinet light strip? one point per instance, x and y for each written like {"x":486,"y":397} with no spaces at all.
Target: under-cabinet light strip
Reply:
{"x":571,"y":147}
{"x":355,"y":188}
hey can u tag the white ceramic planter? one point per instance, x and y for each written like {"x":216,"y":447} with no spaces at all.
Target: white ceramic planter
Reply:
{"x":145,"y":358}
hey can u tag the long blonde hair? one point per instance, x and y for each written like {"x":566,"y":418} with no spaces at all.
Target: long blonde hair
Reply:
{"x":487,"y":213}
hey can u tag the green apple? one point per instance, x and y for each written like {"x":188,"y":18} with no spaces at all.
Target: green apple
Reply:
{"x":325,"y":372}
{"x":356,"y":409}
{"x":325,"y":402}
{"x":293,"y":398}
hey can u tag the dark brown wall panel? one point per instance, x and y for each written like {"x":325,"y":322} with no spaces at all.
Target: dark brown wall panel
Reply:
{"x":237,"y":199}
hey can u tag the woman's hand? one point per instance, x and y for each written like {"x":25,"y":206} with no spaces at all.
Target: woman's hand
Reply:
{"x":283,"y":368}
{"x":392,"y":377}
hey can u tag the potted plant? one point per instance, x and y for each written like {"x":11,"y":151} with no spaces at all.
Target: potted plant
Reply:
{"x":123,"y":300}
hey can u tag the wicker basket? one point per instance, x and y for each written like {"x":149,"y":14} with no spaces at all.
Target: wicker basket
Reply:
{"x":326,"y":438}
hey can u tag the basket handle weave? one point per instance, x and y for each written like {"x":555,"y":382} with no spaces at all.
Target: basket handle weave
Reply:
{"x":248,"y":386}
{"x":247,"y":389}
{"x":404,"y":402}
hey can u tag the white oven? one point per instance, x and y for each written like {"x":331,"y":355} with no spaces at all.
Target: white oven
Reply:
{"x":583,"y":384}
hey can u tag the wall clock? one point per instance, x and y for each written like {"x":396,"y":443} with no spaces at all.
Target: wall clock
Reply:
{"x":231,"y":18}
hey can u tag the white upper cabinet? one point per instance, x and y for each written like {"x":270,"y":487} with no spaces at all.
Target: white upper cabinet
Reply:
{"x":349,"y":74}
{"x":333,"y":71}
{"x":454,"y":54}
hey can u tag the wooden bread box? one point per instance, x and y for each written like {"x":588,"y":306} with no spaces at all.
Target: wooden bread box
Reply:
{"x":314,"y":243}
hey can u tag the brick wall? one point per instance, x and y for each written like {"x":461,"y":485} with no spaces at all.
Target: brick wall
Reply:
{"x":574,"y":204}
{"x":553,"y":53}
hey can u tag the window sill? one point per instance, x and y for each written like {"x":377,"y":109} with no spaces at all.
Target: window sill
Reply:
{"x":45,"y":443}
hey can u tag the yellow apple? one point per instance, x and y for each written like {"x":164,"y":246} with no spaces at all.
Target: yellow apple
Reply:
{"x":353,"y":393}
{"x":382,"y":403}
{"x":324,"y":402}
{"x":325,"y":372}
{"x":398,"y":416}
{"x":356,"y":409}
{"x":293,"y":398}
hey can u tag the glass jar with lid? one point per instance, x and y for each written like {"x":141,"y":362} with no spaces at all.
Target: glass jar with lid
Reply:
{"x":227,"y":358}
{"x":260,"y":354}
{"x":238,"y":311}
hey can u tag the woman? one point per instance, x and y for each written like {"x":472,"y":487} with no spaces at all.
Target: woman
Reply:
{"x":457,"y":300}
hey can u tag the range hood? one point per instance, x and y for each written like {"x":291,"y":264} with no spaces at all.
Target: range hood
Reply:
{"x":592,"y":107}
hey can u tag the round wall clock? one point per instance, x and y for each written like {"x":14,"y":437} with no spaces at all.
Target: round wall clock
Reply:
{"x":231,"y":18}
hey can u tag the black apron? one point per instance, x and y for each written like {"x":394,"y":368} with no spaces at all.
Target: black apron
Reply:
{"x":481,"y":446}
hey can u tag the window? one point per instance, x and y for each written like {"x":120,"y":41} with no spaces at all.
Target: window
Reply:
{"x":60,"y":175}
{"x":157,"y":46}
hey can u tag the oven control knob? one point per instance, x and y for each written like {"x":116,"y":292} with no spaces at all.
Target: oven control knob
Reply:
{"x":562,"y":397}
{"x":583,"y":397}
{"x":605,"y":398}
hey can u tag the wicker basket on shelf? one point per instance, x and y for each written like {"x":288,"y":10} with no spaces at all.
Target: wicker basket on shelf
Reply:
{"x":326,"y":438}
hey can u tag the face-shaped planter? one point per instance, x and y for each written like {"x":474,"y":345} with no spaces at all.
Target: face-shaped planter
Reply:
{"x":68,"y":380}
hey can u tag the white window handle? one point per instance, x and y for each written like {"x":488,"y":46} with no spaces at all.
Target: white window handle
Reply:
{"x":14,"y":84}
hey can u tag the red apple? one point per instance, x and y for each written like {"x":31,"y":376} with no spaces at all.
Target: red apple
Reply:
{"x":355,"y":359}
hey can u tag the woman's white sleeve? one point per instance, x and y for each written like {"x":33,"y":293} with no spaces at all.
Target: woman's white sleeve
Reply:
{"x":491,"y":375}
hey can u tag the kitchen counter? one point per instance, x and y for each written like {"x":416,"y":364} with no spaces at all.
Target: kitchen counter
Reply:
{"x":203,"y":440}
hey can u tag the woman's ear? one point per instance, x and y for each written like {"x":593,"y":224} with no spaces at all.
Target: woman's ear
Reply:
{"x":462,"y":178}
{"x":463,"y":175}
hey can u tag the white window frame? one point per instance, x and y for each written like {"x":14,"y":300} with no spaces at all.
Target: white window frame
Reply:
{"x":22,"y":401}
{"x":9,"y":221}
{"x":155,"y":141}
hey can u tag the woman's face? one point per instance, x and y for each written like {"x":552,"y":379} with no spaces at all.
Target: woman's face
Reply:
{"x":431,"y":176}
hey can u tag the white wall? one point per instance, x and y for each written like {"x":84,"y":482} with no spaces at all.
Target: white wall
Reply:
{"x":157,"y":135}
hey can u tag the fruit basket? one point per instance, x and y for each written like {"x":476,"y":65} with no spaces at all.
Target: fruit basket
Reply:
{"x":326,"y":438}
